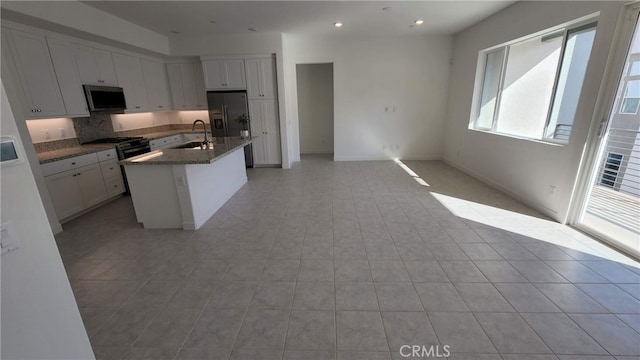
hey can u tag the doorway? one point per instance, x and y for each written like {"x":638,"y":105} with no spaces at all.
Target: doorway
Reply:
{"x":315,"y":108}
{"x":611,"y":205}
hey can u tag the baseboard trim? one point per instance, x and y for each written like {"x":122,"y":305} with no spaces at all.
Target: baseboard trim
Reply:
{"x":533,"y":204}
{"x":386,"y":158}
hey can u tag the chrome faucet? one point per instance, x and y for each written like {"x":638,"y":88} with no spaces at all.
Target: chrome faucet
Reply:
{"x":205,"y":143}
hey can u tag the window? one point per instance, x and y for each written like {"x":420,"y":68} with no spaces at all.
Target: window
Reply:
{"x":631,"y":98}
{"x":635,"y":68}
{"x":530,"y":88}
{"x":610,"y":169}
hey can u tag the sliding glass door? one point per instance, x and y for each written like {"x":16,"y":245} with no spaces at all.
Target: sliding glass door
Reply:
{"x":611,"y":208}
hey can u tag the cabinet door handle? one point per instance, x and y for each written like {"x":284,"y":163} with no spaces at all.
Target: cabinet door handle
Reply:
{"x":160,"y":106}
{"x":110,"y":168}
{"x":137,"y":107}
{"x":101,"y":81}
{"x":73,"y":163}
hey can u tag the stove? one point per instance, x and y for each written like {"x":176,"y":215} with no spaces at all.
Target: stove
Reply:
{"x":127,"y":146}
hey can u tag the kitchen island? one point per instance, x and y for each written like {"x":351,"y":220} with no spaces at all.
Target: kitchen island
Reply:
{"x":183,"y":188}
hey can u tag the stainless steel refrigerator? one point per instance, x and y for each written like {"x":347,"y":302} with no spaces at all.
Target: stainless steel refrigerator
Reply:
{"x":224,"y":108}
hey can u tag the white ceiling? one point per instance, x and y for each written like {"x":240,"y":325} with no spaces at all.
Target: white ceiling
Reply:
{"x":302,"y":17}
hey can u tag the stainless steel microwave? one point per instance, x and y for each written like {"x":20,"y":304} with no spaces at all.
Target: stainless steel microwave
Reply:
{"x":104,"y":98}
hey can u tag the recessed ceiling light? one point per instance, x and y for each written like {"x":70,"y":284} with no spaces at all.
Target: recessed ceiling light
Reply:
{"x":386,"y":8}
{"x":175,"y":32}
{"x":337,"y":24}
{"x":419,"y":22}
{"x":252,"y":29}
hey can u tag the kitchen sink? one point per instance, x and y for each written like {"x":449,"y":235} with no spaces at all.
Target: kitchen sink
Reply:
{"x":189,"y":145}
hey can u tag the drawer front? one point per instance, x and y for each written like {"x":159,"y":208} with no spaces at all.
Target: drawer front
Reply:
{"x":114,"y":186}
{"x":107,"y":155}
{"x":68,"y":164}
{"x":110,"y":169}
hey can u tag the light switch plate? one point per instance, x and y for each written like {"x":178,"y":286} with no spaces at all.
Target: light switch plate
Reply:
{"x":8,"y":238}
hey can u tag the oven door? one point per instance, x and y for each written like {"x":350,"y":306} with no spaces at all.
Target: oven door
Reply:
{"x":131,"y":152}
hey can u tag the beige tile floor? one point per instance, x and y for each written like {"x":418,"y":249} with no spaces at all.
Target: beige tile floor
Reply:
{"x":352,"y":260}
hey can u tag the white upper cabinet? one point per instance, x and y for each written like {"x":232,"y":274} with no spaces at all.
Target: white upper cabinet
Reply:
{"x":131,"y":79}
{"x":95,"y":66}
{"x":36,"y":73}
{"x":68,"y":77}
{"x":175,"y":84}
{"x":187,"y":86}
{"x":261,"y":78}
{"x":201,"y":92}
{"x":188,"y":77}
{"x":157,"y":85}
{"x":224,"y":74}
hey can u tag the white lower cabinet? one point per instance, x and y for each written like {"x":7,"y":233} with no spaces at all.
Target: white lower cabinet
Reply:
{"x":264,"y":125}
{"x":81,"y":182}
{"x":91,"y":185}
{"x":65,"y":193}
{"x":75,"y":190}
{"x":112,"y":176}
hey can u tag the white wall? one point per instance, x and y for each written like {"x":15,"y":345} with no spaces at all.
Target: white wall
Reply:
{"x":525,"y":169}
{"x":40,"y":317}
{"x":409,"y":74}
{"x":122,"y":122}
{"x":315,"y":108}
{"x":42,"y":130}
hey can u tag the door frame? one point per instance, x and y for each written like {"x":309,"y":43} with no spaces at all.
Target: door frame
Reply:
{"x":333,"y":100}
{"x":614,"y":68}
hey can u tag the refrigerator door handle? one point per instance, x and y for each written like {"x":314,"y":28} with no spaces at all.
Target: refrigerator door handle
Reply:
{"x":225,"y":119}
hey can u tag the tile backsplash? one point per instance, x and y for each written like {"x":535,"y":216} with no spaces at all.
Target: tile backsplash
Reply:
{"x":96,"y":126}
{"x":52,"y":134}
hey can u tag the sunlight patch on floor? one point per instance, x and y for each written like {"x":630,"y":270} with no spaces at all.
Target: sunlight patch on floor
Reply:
{"x":529,"y":227}
{"x":411,"y":173}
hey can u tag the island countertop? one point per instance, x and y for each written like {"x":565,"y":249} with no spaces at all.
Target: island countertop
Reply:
{"x":190,"y":156}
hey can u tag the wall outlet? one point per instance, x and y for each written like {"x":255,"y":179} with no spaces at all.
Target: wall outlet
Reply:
{"x":386,"y":109}
{"x":8,"y":239}
{"x":393,"y":108}
{"x":120,"y":125}
{"x":63,"y":133}
{"x":552,"y":189}
{"x":47,"y":135}
{"x":384,"y":147}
